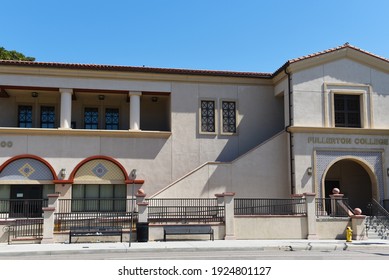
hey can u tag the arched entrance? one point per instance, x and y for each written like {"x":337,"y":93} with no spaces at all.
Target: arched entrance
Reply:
{"x":354,"y":179}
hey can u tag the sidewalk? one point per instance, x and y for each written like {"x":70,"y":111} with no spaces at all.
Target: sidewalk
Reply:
{"x":260,"y":245}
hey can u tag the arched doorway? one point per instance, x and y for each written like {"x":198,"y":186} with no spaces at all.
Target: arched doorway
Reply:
{"x":355,"y":181}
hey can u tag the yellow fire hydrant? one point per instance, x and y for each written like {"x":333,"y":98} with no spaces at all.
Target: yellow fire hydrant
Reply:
{"x":349,"y":234}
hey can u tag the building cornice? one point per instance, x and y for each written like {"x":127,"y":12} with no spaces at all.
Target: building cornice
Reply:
{"x":85,"y":133}
{"x":338,"y":130}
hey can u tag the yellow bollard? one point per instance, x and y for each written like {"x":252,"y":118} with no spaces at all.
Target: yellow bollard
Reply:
{"x":349,"y":234}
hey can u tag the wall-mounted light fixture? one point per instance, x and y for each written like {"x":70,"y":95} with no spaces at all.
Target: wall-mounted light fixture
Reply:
{"x":309,"y":171}
{"x":101,"y":97}
{"x":63,"y":173}
{"x":34,"y":94}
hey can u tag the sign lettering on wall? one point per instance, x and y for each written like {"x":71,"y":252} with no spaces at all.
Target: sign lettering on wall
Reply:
{"x":347,"y":141}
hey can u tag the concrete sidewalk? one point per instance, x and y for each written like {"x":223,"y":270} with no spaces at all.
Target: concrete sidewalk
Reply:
{"x":260,"y":245}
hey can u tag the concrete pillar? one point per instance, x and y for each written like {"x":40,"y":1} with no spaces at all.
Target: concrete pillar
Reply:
{"x":335,"y":206}
{"x":310,"y":202}
{"x":143,"y":212}
{"x":135,"y":109}
{"x":358,"y":225}
{"x":48,"y":218}
{"x":66,"y":108}
{"x":229,"y":215}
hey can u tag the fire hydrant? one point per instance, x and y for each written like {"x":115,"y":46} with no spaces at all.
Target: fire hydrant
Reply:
{"x":349,"y":234}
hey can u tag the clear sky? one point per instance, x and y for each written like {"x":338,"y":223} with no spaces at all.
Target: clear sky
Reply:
{"x":240,"y":35}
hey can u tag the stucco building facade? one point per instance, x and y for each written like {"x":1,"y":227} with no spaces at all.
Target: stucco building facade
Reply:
{"x":316,"y":123}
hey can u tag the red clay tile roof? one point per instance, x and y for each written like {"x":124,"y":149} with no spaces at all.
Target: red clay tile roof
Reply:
{"x":136,"y":69}
{"x":181,"y":71}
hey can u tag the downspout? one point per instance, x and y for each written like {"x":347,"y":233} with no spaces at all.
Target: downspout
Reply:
{"x":291,"y":157}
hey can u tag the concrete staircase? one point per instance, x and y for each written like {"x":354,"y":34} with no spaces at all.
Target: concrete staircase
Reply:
{"x":376,"y":228}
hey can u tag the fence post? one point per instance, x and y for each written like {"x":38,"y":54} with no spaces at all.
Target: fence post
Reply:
{"x":336,"y":195}
{"x":311,"y":215}
{"x":229,"y":215}
{"x":48,"y":218}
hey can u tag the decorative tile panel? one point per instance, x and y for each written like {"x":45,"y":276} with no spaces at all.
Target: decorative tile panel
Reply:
{"x":99,"y":169}
{"x":372,"y":158}
{"x":26,"y":169}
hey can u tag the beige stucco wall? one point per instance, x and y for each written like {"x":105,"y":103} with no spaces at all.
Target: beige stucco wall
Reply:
{"x":262,"y":172}
{"x":270,"y":227}
{"x":311,"y":84}
{"x":159,"y":159}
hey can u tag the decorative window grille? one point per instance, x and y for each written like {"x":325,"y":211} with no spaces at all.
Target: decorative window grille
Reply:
{"x":112,"y":119}
{"x":208,"y":116}
{"x":347,"y":110}
{"x":47,"y":117}
{"x":91,"y":118}
{"x":25,"y":116}
{"x":229,"y":116}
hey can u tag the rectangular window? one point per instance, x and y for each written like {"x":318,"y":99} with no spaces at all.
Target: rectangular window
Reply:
{"x":91,"y":118}
{"x":47,"y":117}
{"x":228,"y":117}
{"x":207,"y":116}
{"x":25,"y":116}
{"x":99,"y":198}
{"x":347,"y":110}
{"x":112,"y":119}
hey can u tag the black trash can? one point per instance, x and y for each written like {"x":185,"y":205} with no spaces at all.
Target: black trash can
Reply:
{"x":142,"y":232}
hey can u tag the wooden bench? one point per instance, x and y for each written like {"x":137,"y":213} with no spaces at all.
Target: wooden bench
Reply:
{"x":95,"y":231}
{"x":188,"y":230}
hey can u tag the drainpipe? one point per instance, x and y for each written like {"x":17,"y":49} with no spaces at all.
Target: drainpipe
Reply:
{"x":291,"y":157}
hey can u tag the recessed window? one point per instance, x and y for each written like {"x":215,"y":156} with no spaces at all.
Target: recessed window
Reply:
{"x":228,"y":116}
{"x":347,"y":110}
{"x":91,"y":118}
{"x":25,"y":116}
{"x":207,"y":117}
{"x":99,"y":198}
{"x":112,"y":119}
{"x":47,"y":117}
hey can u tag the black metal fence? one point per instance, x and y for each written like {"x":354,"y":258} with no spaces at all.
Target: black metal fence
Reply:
{"x":64,"y":221}
{"x":96,"y":205}
{"x":333,"y":207}
{"x":269,"y":206}
{"x":185,"y":210}
{"x":25,"y":228}
{"x":22,"y":208}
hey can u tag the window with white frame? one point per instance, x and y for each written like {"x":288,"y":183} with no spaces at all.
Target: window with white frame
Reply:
{"x":347,"y":109}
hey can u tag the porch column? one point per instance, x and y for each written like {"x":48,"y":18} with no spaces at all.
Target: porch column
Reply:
{"x":310,"y":203}
{"x":66,"y":107}
{"x":135,"y":109}
{"x":229,"y":215}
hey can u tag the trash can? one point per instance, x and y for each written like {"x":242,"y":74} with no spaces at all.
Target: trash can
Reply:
{"x":142,"y":232}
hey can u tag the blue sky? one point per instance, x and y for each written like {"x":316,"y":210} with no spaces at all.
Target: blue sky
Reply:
{"x":241,"y":35}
